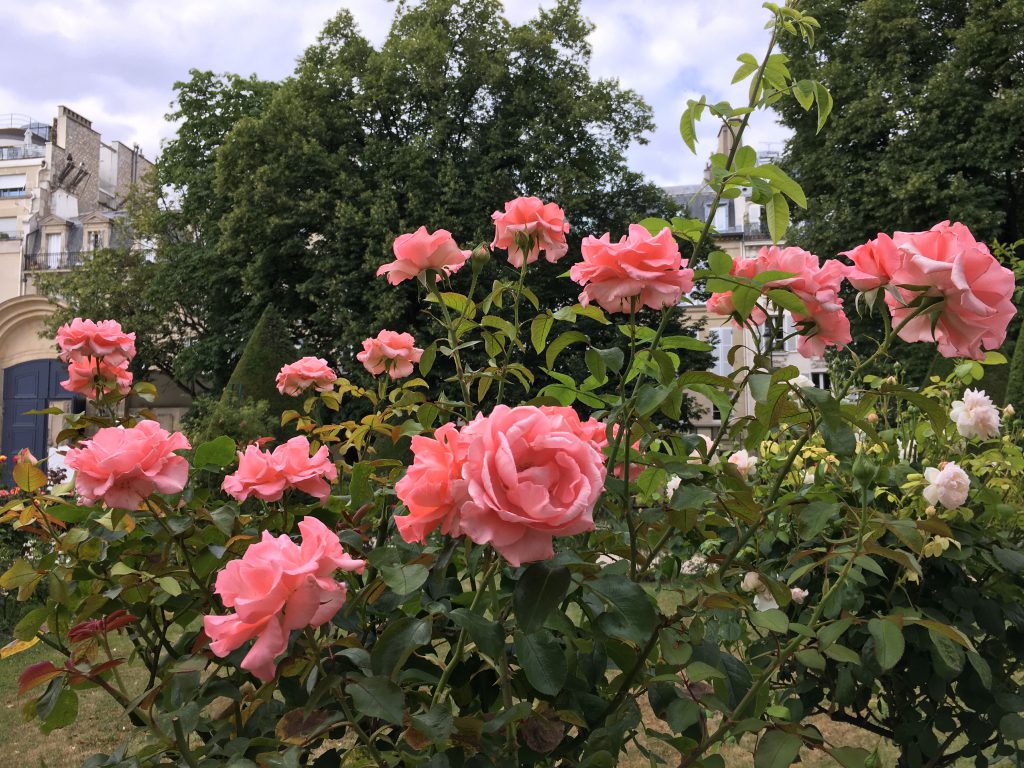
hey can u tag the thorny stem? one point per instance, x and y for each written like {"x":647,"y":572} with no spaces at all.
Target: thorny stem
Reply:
{"x":515,"y":321}
{"x":452,"y":344}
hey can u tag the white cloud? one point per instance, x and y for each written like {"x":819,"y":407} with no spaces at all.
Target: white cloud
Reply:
{"x":115,"y":61}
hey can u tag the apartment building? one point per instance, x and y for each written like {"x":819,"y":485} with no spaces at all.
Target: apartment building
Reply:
{"x":62,"y":191}
{"x":739,"y":230}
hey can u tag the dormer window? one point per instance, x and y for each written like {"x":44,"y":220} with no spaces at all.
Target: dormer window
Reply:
{"x":96,"y":239}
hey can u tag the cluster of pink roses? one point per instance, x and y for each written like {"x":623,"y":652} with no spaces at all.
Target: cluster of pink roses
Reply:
{"x":275,"y":588}
{"x":121,"y":466}
{"x":97,"y":355}
{"x":972,"y":292}
{"x":825,"y":323}
{"x":392,"y":352}
{"x":514,"y":479}
{"x":268,"y":474}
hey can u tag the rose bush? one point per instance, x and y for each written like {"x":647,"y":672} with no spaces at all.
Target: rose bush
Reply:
{"x":459,"y":578}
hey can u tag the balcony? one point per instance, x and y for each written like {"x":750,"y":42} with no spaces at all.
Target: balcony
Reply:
{"x":26,"y":152}
{"x":53,"y":262}
{"x":26,"y":123}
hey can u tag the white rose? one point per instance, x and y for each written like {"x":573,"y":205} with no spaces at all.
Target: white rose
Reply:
{"x":798,"y":595}
{"x":743,"y":462}
{"x":975,"y":415}
{"x":751,"y":582}
{"x":947,"y":486}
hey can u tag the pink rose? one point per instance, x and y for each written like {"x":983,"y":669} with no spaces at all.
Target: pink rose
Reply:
{"x":975,"y":415}
{"x":295,"y":378}
{"x":278,"y":587}
{"x":529,"y":218}
{"x":743,"y":462}
{"x":721,"y":304}
{"x":529,"y":479}
{"x":122,"y":466}
{"x":433,"y":488}
{"x":874,"y":263}
{"x":947,"y":486}
{"x":267,"y":475}
{"x":639,"y":267}
{"x":85,"y":338}
{"x":976,"y":291}
{"x":95,"y":377}
{"x":419,"y":251}
{"x":390,"y":351}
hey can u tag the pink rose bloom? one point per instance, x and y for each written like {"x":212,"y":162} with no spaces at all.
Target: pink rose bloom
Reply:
{"x":977,"y":291}
{"x":639,"y":267}
{"x":975,"y":415}
{"x":419,"y":251}
{"x":947,"y":486}
{"x":527,"y":217}
{"x":529,"y":479}
{"x":392,"y":352}
{"x":278,"y":587}
{"x":798,"y":595}
{"x":267,"y":475}
{"x":433,"y":488}
{"x":874,"y":263}
{"x":85,"y":338}
{"x":83,"y":374}
{"x":312,"y":474}
{"x":721,"y":303}
{"x":743,"y":462}
{"x":295,"y":378}
{"x":122,"y":466}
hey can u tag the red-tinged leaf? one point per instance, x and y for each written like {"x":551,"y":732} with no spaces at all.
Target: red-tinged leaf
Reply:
{"x":115,"y":621}
{"x":37,"y":674}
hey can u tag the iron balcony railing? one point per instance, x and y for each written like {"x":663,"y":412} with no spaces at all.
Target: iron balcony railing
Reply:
{"x":26,"y":152}
{"x":42,"y":262}
{"x":26,"y":123}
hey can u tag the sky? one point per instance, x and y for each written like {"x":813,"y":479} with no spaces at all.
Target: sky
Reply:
{"x":116,"y":61}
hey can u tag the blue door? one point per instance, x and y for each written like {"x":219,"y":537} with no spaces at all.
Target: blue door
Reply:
{"x":27,"y":387}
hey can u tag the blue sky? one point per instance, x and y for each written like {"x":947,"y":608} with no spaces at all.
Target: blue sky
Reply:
{"x":115,"y":61}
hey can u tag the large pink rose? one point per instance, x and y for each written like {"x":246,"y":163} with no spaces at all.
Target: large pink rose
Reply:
{"x":419,"y":251}
{"x":267,"y":475}
{"x":85,"y":338}
{"x":874,"y":263}
{"x":721,"y":304}
{"x":976,"y":291}
{"x":278,"y":587}
{"x":295,"y":378}
{"x":392,"y":352}
{"x":95,"y":377}
{"x":433,"y":488}
{"x":529,"y":479}
{"x":640,"y":267}
{"x":529,"y":218}
{"x":122,"y":466}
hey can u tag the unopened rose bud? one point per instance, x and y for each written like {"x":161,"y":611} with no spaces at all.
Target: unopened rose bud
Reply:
{"x":751,"y":582}
{"x":930,"y":511}
{"x":872,"y":418}
{"x":798,"y":595}
{"x":891,"y":380}
{"x":1008,"y":411}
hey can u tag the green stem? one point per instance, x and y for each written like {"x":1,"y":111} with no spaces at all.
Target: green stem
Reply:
{"x":452,"y":343}
{"x":515,"y":325}
{"x":182,"y":742}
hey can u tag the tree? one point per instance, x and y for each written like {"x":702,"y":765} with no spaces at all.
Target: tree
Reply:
{"x":927,"y":95}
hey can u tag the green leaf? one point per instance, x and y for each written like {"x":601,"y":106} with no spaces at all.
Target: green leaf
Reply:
{"x":815,"y":517}
{"x":563,"y":341}
{"x":29,"y":625}
{"x":359,"y":488}
{"x":62,"y":713}
{"x":889,"y":642}
{"x":169,"y":585}
{"x":1011,"y":559}
{"x":773,"y":620}
{"x":654,"y":225}
{"x":427,"y":359}
{"x":777,"y":749}
{"x":748,"y":64}
{"x":720,"y":263}
{"x":650,"y":397}
{"x":630,"y":614}
{"x":28,"y":476}
{"x":404,"y":579}
{"x":781,"y":182}
{"x":685,"y":342}
{"x":538,"y":592}
{"x":824,"y":99}
{"x":1012,"y":727}
{"x":849,"y":757}
{"x":843,"y":654}
{"x":786,"y":300}
{"x":777,"y":212}
{"x":218,"y":452}
{"x":436,"y":723}
{"x":810,"y":658}
{"x":542,"y":659}
{"x":378,"y":697}
{"x":488,"y":636}
{"x":397,"y":643}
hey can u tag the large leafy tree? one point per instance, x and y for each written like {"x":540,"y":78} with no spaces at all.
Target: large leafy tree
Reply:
{"x":927,"y":99}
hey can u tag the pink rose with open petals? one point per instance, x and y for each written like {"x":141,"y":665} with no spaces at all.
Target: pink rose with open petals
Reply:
{"x":122,"y":466}
{"x":419,"y":251}
{"x":278,"y":587}
{"x":295,"y":378}
{"x":95,"y":377}
{"x":433,"y":488}
{"x":85,"y":338}
{"x":529,"y":479}
{"x":976,"y":291}
{"x":392,"y":352}
{"x":949,"y":485}
{"x":267,"y":475}
{"x":527,"y":218}
{"x":640,"y":267}
{"x":721,"y":304}
{"x":874,"y":263}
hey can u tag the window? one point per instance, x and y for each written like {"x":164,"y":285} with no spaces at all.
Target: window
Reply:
{"x":722,"y":344}
{"x":12,"y":185}
{"x":821,"y":380}
{"x":784,"y":340}
{"x":721,"y":219}
{"x":96,"y":240}
{"x":53,"y":251}
{"x":8,"y":227}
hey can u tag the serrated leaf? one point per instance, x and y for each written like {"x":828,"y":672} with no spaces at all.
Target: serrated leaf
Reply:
{"x":777,"y":213}
{"x":777,"y":749}
{"x":563,"y":341}
{"x":542,"y":660}
{"x":539,"y":591}
{"x":378,"y":697}
{"x":218,"y":452}
{"x":405,"y":579}
{"x":889,"y":643}
{"x":824,"y":100}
